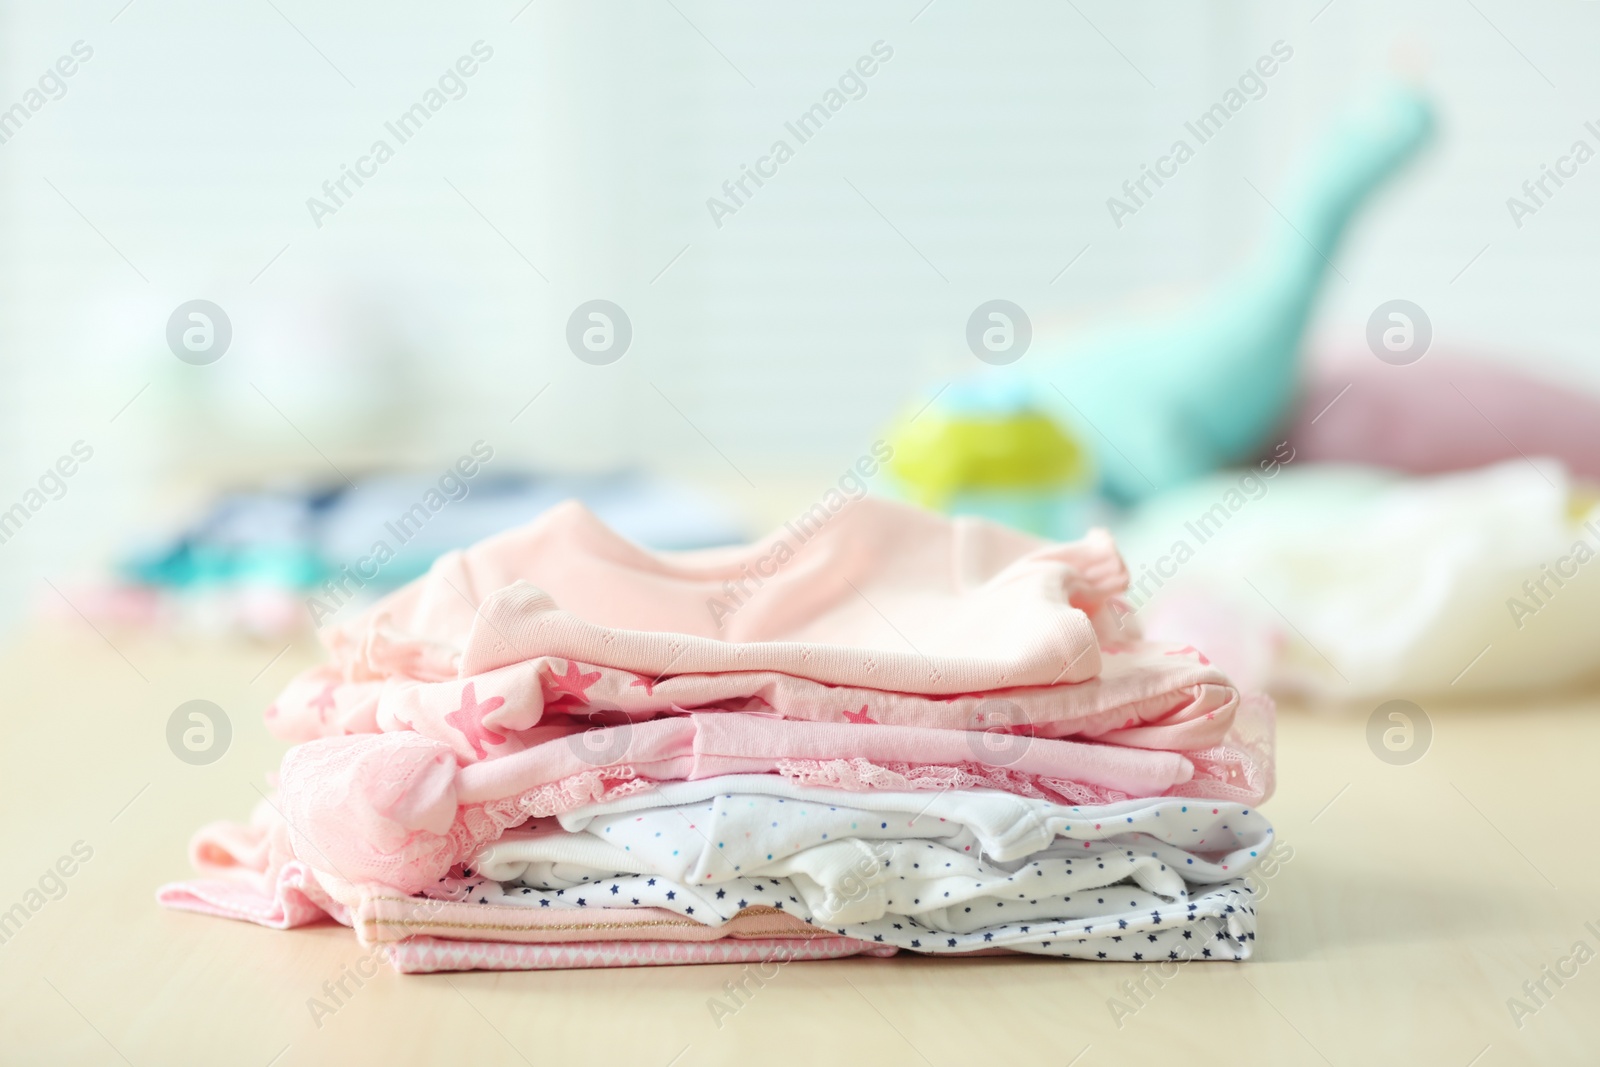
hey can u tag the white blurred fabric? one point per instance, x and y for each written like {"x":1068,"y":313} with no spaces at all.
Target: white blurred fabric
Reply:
{"x":1350,"y":583}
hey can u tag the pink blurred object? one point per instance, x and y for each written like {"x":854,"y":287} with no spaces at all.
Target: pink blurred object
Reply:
{"x":1443,"y":413}
{"x":113,"y":603}
{"x":249,"y":611}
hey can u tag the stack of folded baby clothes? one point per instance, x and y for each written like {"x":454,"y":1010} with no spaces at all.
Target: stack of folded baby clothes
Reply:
{"x":875,"y":731}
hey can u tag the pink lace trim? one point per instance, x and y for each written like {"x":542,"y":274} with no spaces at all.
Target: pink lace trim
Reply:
{"x":1239,"y":769}
{"x":478,"y":824}
{"x":859,"y":775}
{"x":1242,"y":768}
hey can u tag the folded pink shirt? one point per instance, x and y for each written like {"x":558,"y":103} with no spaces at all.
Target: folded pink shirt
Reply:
{"x":880,"y":596}
{"x":1177,"y":698}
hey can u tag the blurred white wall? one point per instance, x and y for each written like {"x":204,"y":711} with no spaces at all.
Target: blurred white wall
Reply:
{"x":432,"y":306}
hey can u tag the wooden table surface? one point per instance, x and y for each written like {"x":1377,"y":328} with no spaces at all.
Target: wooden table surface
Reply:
{"x":1417,"y":902}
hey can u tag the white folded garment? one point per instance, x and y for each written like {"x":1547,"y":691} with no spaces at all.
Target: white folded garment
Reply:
{"x":952,"y":873}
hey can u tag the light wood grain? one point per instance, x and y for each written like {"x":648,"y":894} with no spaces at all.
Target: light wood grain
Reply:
{"x":1418,"y":900}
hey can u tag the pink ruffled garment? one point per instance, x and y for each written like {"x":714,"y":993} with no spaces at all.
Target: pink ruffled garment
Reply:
{"x":465,"y":703}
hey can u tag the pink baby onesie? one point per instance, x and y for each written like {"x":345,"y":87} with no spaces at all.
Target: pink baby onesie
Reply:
{"x":882,"y":596}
